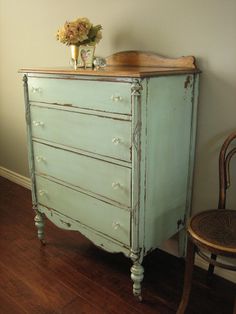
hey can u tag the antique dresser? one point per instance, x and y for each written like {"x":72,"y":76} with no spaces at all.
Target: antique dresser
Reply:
{"x":111,"y":150}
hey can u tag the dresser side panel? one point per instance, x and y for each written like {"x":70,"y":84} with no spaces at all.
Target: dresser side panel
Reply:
{"x":182,"y":235}
{"x":169,"y":118}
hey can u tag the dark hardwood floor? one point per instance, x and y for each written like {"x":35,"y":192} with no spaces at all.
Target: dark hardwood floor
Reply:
{"x":71,"y":276}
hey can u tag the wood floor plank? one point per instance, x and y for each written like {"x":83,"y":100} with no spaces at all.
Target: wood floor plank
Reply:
{"x":19,"y":291}
{"x":40,"y":282}
{"x":67,"y":277}
{"x":76,"y":267}
{"x":8,"y":304}
{"x":70,"y":275}
{"x":76,"y":306}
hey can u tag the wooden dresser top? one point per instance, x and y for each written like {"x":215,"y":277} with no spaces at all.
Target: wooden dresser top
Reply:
{"x":134,"y":64}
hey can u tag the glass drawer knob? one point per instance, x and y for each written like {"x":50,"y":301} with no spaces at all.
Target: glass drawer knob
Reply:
{"x":116,"y":98}
{"x":40,"y":158}
{"x":116,"y":225}
{"x":42,"y":192}
{"x":116,"y":140}
{"x":38,"y":123}
{"x":116,"y":185}
{"x":36,"y":90}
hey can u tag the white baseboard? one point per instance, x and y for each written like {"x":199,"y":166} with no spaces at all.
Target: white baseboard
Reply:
{"x":15,"y":177}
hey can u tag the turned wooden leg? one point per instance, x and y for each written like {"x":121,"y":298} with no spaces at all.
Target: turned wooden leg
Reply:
{"x":187,"y":277}
{"x":211,"y":269}
{"x":137,"y":271}
{"x":39,"y":223}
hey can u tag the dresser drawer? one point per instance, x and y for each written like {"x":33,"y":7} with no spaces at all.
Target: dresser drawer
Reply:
{"x":98,"y":95}
{"x":100,"y":135}
{"x":90,"y":174}
{"x":101,"y":216}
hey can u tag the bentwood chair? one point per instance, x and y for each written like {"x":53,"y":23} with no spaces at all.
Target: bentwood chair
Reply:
{"x":212,"y":231}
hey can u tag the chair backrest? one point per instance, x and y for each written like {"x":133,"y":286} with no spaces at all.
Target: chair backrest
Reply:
{"x":224,"y":173}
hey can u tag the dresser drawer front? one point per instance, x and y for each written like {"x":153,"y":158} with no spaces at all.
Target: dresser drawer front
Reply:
{"x":98,"y":95}
{"x":90,"y":174}
{"x":101,"y":216}
{"x":100,"y":135}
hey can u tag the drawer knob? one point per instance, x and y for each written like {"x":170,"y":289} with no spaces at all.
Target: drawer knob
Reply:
{"x":38,"y":123}
{"x":116,"y":98}
{"x":42,"y":192}
{"x":115,"y":225}
{"x":116,"y":140}
{"x":116,"y":185}
{"x":40,"y":158}
{"x":35,"y":90}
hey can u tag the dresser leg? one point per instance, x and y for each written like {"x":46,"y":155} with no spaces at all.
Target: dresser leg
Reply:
{"x":137,"y":271}
{"x":39,"y":223}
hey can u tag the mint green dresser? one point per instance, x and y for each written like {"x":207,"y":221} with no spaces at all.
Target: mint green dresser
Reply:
{"x":111,"y":150}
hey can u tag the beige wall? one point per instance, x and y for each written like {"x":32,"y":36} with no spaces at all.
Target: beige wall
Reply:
{"x":204,"y":28}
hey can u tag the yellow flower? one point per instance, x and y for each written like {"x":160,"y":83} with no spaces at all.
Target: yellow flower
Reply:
{"x":79,"y":31}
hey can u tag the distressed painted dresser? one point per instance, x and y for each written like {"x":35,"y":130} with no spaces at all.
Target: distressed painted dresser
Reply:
{"x":111,"y":150}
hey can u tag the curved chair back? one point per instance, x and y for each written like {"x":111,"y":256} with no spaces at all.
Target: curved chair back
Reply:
{"x":224,"y":173}
{"x":212,"y":230}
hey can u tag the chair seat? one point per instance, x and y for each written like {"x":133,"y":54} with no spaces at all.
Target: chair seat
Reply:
{"x":215,"y":230}
{"x":212,"y":232}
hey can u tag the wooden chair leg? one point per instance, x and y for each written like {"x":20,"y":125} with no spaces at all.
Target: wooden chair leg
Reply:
{"x":211,"y":269}
{"x":234,"y":312}
{"x":187,"y":277}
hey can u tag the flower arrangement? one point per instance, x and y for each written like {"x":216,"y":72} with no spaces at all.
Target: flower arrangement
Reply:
{"x":79,"y":32}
